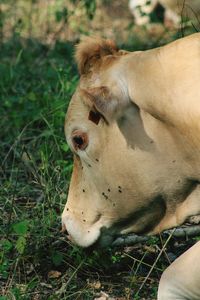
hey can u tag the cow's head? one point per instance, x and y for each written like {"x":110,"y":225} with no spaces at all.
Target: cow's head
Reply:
{"x":120,"y":181}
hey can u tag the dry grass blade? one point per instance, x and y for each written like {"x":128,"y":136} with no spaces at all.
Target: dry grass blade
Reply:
{"x":153,"y":266}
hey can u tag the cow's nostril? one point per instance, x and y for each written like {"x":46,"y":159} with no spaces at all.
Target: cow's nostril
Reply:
{"x":79,"y":140}
{"x":63,"y":228}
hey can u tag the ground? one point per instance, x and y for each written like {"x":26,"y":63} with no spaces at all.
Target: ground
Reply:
{"x":37,"y":78}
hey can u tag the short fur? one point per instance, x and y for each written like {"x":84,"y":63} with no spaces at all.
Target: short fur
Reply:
{"x":140,"y":169}
{"x":90,"y":50}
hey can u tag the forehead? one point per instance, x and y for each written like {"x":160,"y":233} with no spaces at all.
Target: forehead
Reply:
{"x":81,"y":111}
{"x":78,"y":104}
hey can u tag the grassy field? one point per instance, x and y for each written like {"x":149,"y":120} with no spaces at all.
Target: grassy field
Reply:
{"x":36,"y":260}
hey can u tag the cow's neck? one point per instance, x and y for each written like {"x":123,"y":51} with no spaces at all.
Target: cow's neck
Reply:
{"x":164,"y":82}
{"x":156,"y":82}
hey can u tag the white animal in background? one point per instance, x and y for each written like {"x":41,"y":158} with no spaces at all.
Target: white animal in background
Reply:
{"x":175,"y":10}
{"x":141,"y":10}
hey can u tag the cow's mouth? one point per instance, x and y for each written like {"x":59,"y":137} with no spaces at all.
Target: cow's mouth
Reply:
{"x":101,"y":233}
{"x":85,"y":234}
{"x":141,"y":221}
{"x":106,"y":238}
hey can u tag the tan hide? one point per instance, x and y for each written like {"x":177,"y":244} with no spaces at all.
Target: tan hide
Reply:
{"x":134,"y":127}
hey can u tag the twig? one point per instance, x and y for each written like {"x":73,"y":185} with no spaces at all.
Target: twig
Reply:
{"x":177,"y":232}
{"x":65,"y":284}
{"x":155,"y":262}
{"x":141,"y":262}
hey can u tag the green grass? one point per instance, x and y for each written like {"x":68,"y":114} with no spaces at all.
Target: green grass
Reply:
{"x":36,"y":260}
{"x":36,"y":84}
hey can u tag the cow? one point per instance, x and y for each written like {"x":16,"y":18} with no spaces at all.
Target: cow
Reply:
{"x":133,"y":125}
{"x":174,"y":10}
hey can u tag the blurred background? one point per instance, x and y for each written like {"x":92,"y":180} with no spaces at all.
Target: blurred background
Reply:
{"x":37,"y":79}
{"x":50,"y":20}
{"x":66,"y":20}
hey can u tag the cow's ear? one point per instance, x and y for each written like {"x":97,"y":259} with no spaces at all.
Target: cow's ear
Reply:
{"x":103,"y":102}
{"x":90,"y":51}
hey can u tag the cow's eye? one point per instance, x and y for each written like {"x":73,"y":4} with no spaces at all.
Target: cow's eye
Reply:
{"x":79,"y":140}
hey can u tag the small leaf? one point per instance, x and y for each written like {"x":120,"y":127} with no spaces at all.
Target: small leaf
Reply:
{"x":64,"y":147}
{"x":57,"y":258}
{"x":21,"y":244}
{"x":6,"y":245}
{"x":21,"y":228}
{"x":31,"y":96}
